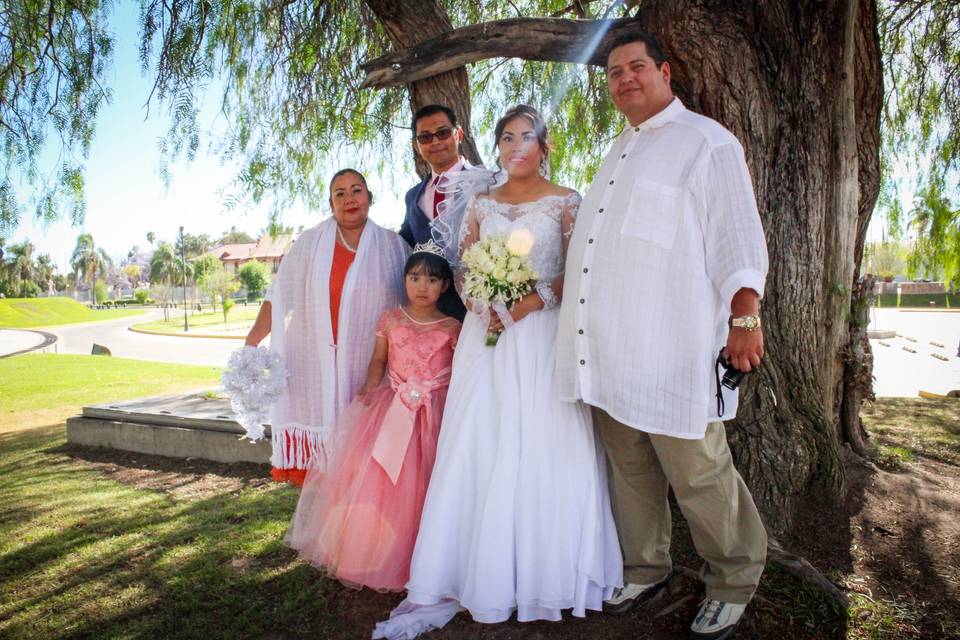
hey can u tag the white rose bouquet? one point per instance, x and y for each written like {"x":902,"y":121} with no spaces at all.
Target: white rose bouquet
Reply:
{"x":498,"y":272}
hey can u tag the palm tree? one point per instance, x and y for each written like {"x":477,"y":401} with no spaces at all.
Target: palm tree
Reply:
{"x":20,"y":266}
{"x":164,"y":264}
{"x":45,"y":271}
{"x":87,"y":261}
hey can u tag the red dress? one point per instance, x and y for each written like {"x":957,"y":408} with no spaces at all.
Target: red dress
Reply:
{"x":342,"y":259}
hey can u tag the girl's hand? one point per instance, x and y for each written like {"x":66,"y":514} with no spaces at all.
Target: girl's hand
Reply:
{"x":365,"y":389}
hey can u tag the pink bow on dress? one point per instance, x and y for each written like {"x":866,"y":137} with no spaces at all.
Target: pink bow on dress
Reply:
{"x":393,"y":440}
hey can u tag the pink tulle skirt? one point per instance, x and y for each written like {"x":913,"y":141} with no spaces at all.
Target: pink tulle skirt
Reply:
{"x":352,"y":521}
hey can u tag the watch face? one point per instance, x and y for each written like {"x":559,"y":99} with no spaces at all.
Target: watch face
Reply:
{"x":750,"y":322}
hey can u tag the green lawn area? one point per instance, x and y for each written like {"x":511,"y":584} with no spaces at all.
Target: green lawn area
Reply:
{"x":920,"y":300}
{"x":42,"y":389}
{"x":112,"y":546}
{"x":23,"y":313}
{"x":239,"y":319}
{"x":83,"y":555}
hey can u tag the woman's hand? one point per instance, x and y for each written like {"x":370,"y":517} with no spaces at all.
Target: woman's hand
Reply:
{"x":518,"y":311}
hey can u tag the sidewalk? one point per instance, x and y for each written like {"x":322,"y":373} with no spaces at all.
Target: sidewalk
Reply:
{"x":907,"y":364}
{"x":14,"y":341}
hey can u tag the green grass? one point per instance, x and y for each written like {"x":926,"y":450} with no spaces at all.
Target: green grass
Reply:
{"x":40,"y":389}
{"x":920,"y":300}
{"x":23,"y":313}
{"x":239,"y":318}
{"x":86,"y":556}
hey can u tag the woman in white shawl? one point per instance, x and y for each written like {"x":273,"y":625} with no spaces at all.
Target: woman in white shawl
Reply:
{"x":321,"y":312}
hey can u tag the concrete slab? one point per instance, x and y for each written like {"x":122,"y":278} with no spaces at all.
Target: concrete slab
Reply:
{"x":191,"y":425}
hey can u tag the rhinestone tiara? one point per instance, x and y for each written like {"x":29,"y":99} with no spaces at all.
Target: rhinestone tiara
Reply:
{"x":429,"y":247}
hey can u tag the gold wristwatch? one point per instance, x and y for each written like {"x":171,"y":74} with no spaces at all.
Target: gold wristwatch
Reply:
{"x":750,"y":323}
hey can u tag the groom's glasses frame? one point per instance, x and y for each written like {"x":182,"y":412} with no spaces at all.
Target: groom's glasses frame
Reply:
{"x":440,"y":134}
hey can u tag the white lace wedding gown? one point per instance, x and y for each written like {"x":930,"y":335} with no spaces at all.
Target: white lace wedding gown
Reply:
{"x":517,"y":516}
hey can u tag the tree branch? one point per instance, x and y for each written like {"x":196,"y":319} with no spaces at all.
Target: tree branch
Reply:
{"x":541,"y":39}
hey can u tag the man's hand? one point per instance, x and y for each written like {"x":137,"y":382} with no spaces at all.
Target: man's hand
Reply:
{"x":744,"y":348}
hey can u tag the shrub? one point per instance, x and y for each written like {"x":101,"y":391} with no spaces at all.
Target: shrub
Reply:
{"x":141,"y":296}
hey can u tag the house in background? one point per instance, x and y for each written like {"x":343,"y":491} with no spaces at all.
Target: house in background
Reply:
{"x":269,"y":250}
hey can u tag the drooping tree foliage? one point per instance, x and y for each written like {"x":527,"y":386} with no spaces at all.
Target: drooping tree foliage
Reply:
{"x":921,"y":126}
{"x":53,"y":60}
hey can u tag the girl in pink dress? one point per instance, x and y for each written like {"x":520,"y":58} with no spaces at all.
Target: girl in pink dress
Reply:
{"x":359,"y":521}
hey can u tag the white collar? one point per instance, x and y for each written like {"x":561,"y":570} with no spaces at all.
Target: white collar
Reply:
{"x":458,"y":166}
{"x":669,"y":113}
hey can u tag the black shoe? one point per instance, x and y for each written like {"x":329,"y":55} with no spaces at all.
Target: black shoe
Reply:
{"x":630,"y":596}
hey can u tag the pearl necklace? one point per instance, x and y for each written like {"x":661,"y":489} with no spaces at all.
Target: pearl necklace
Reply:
{"x":344,"y":242}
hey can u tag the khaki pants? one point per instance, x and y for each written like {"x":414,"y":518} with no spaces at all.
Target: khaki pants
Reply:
{"x":723,"y":519}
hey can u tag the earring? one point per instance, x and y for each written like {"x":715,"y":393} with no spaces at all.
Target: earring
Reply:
{"x":543,"y":167}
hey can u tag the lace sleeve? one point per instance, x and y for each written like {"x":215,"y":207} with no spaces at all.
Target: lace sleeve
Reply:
{"x":550,"y":291}
{"x":469,"y":233}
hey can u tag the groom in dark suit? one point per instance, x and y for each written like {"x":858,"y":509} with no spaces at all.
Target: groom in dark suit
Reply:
{"x":437,"y":140}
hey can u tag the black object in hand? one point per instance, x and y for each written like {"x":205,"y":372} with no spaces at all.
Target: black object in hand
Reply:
{"x":732,"y":377}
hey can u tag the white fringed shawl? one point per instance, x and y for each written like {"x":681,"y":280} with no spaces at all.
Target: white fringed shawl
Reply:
{"x":323,"y":377}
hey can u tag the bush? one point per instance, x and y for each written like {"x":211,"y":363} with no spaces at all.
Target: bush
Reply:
{"x":228,"y":303}
{"x":108,"y":303}
{"x":255,"y":277}
{"x":100,"y":294}
{"x":29,"y":289}
{"x":141,"y":296}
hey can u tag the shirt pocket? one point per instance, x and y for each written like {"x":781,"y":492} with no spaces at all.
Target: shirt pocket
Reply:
{"x":653,"y":213}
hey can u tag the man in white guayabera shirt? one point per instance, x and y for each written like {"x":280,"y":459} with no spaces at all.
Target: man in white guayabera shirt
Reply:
{"x":667,"y":255}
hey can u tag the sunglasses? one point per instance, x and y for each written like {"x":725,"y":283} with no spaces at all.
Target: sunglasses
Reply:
{"x":439,"y":134}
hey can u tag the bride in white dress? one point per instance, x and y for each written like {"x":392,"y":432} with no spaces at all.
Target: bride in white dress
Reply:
{"x":517,"y":516}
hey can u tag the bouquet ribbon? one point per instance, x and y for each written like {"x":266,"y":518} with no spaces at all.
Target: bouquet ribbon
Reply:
{"x":483,"y":309}
{"x":410,"y":396}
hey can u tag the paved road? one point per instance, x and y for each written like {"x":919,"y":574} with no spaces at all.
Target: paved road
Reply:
{"x":123,"y":343}
{"x":901,"y":373}
{"x":897,"y":371}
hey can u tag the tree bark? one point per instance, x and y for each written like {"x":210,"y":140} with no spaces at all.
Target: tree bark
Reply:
{"x":412,"y":21}
{"x":783,"y":79}
{"x":799,"y":84}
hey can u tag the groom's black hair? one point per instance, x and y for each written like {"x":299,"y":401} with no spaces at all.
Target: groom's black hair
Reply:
{"x":429,"y":264}
{"x":654,"y":50}
{"x":430,"y":110}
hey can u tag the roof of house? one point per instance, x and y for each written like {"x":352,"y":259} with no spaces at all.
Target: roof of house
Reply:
{"x":264,"y":248}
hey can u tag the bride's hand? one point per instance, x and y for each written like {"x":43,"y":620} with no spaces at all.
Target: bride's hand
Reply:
{"x":518,"y":311}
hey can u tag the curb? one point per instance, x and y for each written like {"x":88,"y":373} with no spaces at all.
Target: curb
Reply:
{"x":48,"y":339}
{"x":185,"y":335}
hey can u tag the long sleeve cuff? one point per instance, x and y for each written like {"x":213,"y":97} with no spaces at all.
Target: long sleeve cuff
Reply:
{"x":742,"y":279}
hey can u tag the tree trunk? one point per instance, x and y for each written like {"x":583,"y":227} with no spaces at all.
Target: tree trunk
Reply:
{"x":406,"y":24}
{"x":783,"y":78}
{"x":799,"y":84}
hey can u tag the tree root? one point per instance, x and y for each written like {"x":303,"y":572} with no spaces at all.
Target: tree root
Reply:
{"x":802,"y":569}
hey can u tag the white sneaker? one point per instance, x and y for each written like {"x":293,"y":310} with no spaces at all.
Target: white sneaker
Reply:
{"x":715,"y":620}
{"x":628,"y":597}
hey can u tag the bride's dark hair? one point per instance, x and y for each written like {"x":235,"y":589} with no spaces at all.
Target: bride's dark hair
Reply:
{"x":532,"y":116}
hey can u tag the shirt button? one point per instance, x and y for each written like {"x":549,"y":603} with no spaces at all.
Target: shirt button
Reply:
{"x":611,"y":182}
{"x":582,"y":300}
{"x":623,"y":156}
{"x":580,"y":331}
{"x":590,"y":241}
{"x":583,"y":362}
{"x":600,"y":210}
{"x":637,"y":129}
{"x":585,"y":270}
